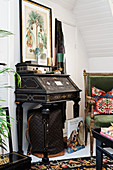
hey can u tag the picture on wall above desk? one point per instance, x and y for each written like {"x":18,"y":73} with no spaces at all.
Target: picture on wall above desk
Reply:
{"x":35,"y":32}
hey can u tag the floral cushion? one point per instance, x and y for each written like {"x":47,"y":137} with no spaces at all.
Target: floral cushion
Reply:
{"x":97,"y":92}
{"x":110,"y":102}
{"x":103,"y":101}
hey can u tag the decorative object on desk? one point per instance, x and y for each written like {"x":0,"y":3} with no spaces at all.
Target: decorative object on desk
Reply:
{"x":33,"y":67}
{"x":85,"y":163}
{"x":38,"y":71}
{"x":57,"y":72}
{"x":75,"y":134}
{"x":35,"y":32}
{"x":59,"y":39}
{"x":49,"y":72}
{"x":37,"y":54}
{"x":60,"y":62}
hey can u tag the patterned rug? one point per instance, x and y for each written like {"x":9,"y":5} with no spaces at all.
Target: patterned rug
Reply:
{"x":85,"y":163}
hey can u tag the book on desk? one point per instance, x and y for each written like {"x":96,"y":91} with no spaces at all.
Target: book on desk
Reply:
{"x":106,"y":135}
{"x":107,"y":132}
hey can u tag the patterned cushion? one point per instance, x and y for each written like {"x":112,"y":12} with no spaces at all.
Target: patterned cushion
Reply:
{"x":103,"y":101}
{"x":110,"y":102}
{"x":97,"y":92}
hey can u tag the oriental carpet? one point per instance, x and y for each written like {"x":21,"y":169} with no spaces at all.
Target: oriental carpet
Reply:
{"x":85,"y":163}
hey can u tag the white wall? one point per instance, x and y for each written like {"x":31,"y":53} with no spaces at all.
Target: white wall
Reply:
{"x":7,"y":56}
{"x":101,"y":64}
{"x":81,"y":64}
{"x":76,"y":55}
{"x":70,"y":58}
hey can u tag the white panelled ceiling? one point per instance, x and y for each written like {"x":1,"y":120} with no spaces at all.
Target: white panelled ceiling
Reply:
{"x":94,"y":19}
{"x":68,"y":4}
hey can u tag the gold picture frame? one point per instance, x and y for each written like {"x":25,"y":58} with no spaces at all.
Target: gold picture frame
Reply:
{"x":35,"y":32}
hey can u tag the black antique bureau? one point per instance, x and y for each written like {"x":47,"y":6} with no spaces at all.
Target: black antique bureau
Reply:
{"x":45,"y":89}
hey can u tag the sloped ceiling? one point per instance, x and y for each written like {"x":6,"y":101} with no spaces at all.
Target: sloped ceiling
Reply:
{"x":68,"y":4}
{"x":95,"y":21}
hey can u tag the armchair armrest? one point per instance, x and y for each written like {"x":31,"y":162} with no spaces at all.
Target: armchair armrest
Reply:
{"x":91,"y":101}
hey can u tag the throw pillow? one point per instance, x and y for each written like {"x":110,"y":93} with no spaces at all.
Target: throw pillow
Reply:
{"x":103,"y":101}
{"x":97,"y":92}
{"x":110,"y":102}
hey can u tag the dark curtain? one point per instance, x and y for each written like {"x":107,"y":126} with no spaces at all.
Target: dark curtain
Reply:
{"x":59,"y":39}
{"x":59,"y":48}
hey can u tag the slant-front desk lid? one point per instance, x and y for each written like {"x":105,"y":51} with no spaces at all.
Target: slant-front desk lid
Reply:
{"x":47,"y":83}
{"x":45,"y":87}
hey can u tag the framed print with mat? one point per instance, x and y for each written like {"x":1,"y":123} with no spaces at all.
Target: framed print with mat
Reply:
{"x":35,"y":32}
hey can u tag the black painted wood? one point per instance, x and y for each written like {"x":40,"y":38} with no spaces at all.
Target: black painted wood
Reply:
{"x":99,"y":155}
{"x":17,"y":162}
{"x":101,"y":143}
{"x":45,"y":118}
{"x":44,"y":89}
{"x":19,"y":118}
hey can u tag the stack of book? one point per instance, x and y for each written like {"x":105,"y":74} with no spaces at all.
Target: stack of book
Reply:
{"x":107,"y":132}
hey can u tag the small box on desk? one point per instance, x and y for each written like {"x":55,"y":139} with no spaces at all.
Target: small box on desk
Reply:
{"x":16,"y":161}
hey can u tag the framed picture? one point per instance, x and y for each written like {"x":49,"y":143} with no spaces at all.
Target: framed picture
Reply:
{"x":35,"y":32}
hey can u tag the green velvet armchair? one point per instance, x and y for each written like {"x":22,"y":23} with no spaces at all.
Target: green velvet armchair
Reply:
{"x":103,"y":81}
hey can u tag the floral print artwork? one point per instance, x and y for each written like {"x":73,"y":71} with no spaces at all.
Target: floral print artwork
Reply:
{"x":36,"y":32}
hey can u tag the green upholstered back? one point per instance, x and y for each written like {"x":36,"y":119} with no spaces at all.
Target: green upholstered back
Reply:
{"x":103,"y":82}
